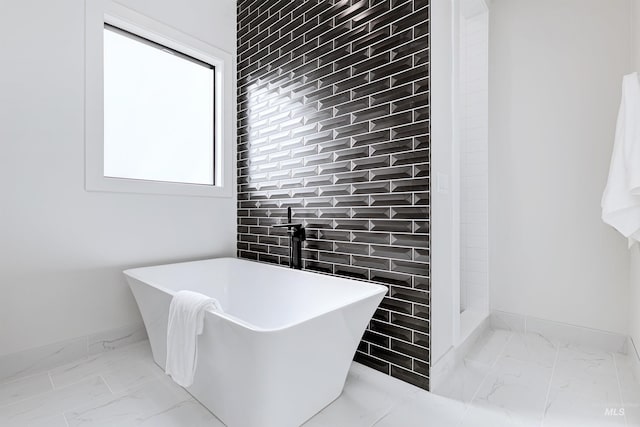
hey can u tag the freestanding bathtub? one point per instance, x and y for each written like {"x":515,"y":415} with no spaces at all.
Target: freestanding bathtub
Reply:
{"x":281,"y":350}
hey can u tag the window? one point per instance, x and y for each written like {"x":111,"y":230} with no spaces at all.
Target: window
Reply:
{"x":158,"y":112}
{"x":159,"y":107}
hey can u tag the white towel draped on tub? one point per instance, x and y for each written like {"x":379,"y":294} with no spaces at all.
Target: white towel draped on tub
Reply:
{"x":186,"y":320}
{"x":621,"y":198}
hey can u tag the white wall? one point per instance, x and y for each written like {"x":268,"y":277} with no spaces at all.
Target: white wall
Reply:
{"x":555,"y":73}
{"x":473,"y":137}
{"x":62,"y":249}
{"x":634,"y":255}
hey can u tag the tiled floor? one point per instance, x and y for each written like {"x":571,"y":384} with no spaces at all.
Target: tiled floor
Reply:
{"x":507,"y":380}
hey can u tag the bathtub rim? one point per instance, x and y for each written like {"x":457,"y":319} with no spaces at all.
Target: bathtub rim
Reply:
{"x":377,"y":290}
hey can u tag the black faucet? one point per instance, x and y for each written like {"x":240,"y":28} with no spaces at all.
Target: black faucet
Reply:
{"x":297,"y":235}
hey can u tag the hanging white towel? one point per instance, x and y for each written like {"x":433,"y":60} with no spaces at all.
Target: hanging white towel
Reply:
{"x":621,"y":198}
{"x":186,"y":321}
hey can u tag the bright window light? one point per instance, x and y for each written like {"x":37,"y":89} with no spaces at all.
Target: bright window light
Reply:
{"x":158,"y":112}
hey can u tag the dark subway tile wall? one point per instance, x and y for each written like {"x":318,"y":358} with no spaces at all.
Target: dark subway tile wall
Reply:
{"x":333,"y":121}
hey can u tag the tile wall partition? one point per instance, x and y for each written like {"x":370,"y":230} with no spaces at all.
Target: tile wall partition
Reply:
{"x":333,"y":121}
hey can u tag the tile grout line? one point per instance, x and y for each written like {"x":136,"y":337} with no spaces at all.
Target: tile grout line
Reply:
{"x":107,"y":384}
{"x":553,"y":371}
{"x":622,"y":402}
{"x":53,"y":386}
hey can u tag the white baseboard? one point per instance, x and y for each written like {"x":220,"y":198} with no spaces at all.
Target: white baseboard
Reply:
{"x":40,"y":359}
{"x":560,"y":332}
{"x":440,"y":370}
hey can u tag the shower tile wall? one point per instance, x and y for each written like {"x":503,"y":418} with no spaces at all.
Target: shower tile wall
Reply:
{"x":333,"y":121}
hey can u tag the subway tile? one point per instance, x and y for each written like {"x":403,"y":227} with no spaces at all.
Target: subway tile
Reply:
{"x":334,"y":257}
{"x":391,"y":226}
{"x":420,"y":339}
{"x":335,"y":213}
{"x":372,"y":362}
{"x":410,"y":350}
{"x":373,"y":36}
{"x":392,"y":278}
{"x":371,"y":188}
{"x":334,"y":145}
{"x":350,"y":177}
{"x":410,"y":185}
{"x":396,"y":305}
{"x":371,"y":212}
{"x":413,"y":240}
{"x":391,"y":356}
{"x":413,"y":323}
{"x":420,"y":310}
{"x":412,"y":295}
{"x":318,"y":266}
{"x":391,"y":199}
{"x":392,"y":252}
{"x":395,"y":40}
{"x":318,"y":202}
{"x":348,"y":84}
{"x":335,"y":235}
{"x":352,"y":200}
{"x":410,"y":267}
{"x":390,"y":95}
{"x":394,"y":173}
{"x":353,"y":107}
{"x":352,"y":153}
{"x":335,"y":168}
{"x":391,"y":68}
{"x":351,"y":248}
{"x":371,"y":88}
{"x":354,"y":129}
{"x":410,"y":377}
{"x":391,"y":330}
{"x":335,"y":190}
{"x":371,"y":262}
{"x":351,"y":224}
{"x":371,"y":138}
{"x":353,"y":272}
{"x":412,"y":212}
{"x":365,"y":163}
{"x":378,"y":238}
{"x":416,"y":156}
{"x":420,"y":171}
{"x":382,"y":315}
{"x":377,"y":339}
{"x":421,"y":255}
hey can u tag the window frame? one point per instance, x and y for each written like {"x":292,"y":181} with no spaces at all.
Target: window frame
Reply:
{"x":102,"y":13}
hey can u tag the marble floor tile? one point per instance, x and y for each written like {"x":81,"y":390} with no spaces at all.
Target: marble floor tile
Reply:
{"x":424,"y":409}
{"x":368,"y":396}
{"x":478,"y":416}
{"x":516,"y":387}
{"x":109,"y":365}
{"x":24,"y":388}
{"x":157,"y":403}
{"x":463,"y":383}
{"x":488,"y":347}
{"x":569,"y":409}
{"x":587,"y":375}
{"x":55,"y":421}
{"x":53,"y":403}
{"x":533,"y":348}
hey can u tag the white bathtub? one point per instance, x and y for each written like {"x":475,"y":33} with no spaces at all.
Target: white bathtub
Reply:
{"x":281,"y":350}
